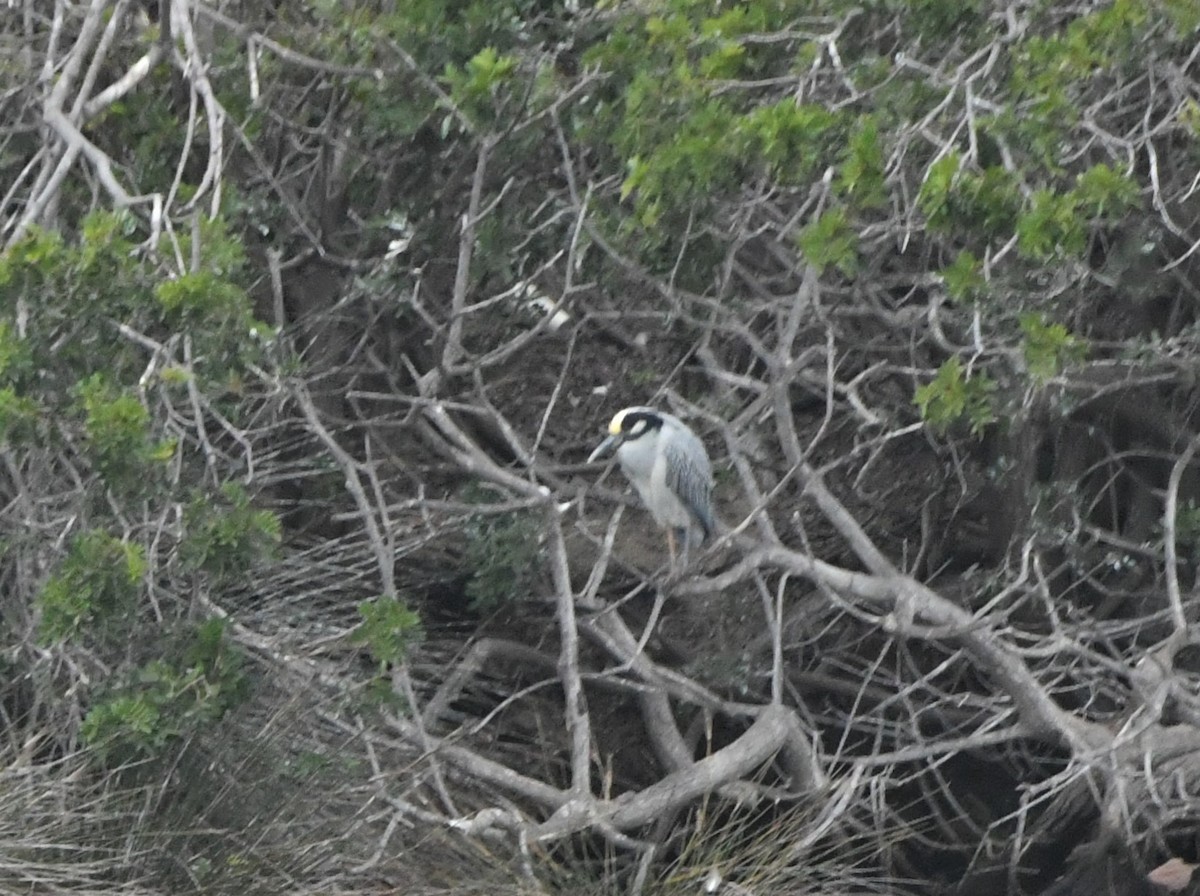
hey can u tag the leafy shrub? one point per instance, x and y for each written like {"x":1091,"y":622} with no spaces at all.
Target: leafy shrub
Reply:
{"x":117,"y":429}
{"x":97,"y":583}
{"x":956,"y":395}
{"x":389,"y":629}
{"x":502,"y":554}
{"x":166,"y":698}
{"x":99,"y":339}
{"x":964,"y":277}
{"x":228,"y":536}
{"x":829,"y":241}
{"x":1047,"y":347}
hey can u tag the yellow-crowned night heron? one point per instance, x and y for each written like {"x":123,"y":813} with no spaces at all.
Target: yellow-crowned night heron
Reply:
{"x":670,"y":469}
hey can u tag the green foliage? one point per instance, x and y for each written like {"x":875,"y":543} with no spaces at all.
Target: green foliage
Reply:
{"x":226,"y":537}
{"x":142,"y":131}
{"x":712,"y":146}
{"x":964,"y":277}
{"x":955,"y":199}
{"x":1104,"y":37}
{"x":477,"y":86}
{"x":1050,"y":227}
{"x":480,"y":48}
{"x":66,"y":297}
{"x":1187,"y":530}
{"x":389,"y":630}
{"x":17,"y":414}
{"x":14,"y":355}
{"x":126,"y":721}
{"x":209,"y":650}
{"x":96,"y":584}
{"x":699,"y":159}
{"x":37,"y":250}
{"x":686,"y":140}
{"x":1047,"y":347}
{"x":201,"y":294}
{"x":955,"y":395}
{"x":1102,"y":193}
{"x":942,"y":17}
{"x":103,"y":266}
{"x":1055,"y":65}
{"x":934,"y":198}
{"x":830,"y":241}
{"x":1189,"y":116}
{"x":95,"y":327}
{"x":104,"y":230}
{"x":988,"y":205}
{"x":1055,"y":224}
{"x":117,"y":427}
{"x":723,"y":62}
{"x":166,"y":699}
{"x":1184,"y":16}
{"x":1048,"y":68}
{"x":789,"y":137}
{"x":87,"y":290}
{"x":860,"y":177}
{"x":503,"y":556}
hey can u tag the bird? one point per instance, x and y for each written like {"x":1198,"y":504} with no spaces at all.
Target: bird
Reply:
{"x":668,"y":466}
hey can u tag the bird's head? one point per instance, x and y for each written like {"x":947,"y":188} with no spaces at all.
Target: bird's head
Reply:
{"x":626,"y":425}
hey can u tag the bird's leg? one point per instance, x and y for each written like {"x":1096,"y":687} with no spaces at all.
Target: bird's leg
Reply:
{"x":671,"y":544}
{"x":685,"y":536}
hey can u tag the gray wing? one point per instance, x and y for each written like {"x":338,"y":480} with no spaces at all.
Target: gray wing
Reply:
{"x":689,"y":476}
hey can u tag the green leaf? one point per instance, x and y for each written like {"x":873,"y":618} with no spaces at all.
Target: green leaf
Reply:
{"x":1184,"y":16}
{"x":667,"y":30}
{"x":117,"y":426}
{"x":17,"y":415}
{"x":637,"y":173}
{"x":488,"y":68}
{"x":964,"y":277}
{"x":503,"y":553}
{"x":934,"y":196}
{"x":194,"y":683}
{"x":724,"y":62}
{"x":38,"y":249}
{"x":124,"y":718}
{"x":1101,"y":192}
{"x":201,"y":293}
{"x":15,"y":358}
{"x":1047,"y":347}
{"x":829,"y":240}
{"x":1050,"y":227}
{"x":861,"y":174}
{"x":474,"y":87}
{"x":789,"y":136}
{"x":953,"y":396}
{"x":1189,"y":115}
{"x":389,"y":629}
{"x":225,"y":536}
{"x":98,"y":580}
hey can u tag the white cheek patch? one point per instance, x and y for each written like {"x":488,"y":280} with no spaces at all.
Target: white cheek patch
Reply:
{"x":639,"y":426}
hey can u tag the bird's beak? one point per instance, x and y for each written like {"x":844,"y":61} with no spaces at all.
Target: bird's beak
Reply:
{"x":606,"y":445}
